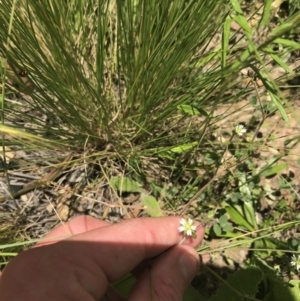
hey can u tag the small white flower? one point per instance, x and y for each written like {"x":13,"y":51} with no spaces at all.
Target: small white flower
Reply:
{"x":296,"y":262}
{"x":240,"y":130}
{"x":187,"y":227}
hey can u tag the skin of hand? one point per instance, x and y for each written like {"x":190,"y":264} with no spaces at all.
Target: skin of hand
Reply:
{"x":96,"y":253}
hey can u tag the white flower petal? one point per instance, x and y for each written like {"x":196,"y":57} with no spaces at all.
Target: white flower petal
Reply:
{"x":187,"y":227}
{"x":182,"y":222}
{"x":181,"y":229}
{"x":296,"y":262}
{"x":240,"y":130}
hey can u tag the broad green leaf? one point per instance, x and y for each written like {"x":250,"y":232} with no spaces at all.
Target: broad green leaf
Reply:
{"x":295,"y":289}
{"x":249,"y":213}
{"x":228,"y":228}
{"x":184,"y":147}
{"x":264,"y":266}
{"x":273,"y":170}
{"x":278,"y":291}
{"x":192,"y":110}
{"x":217,"y":229}
{"x":223,"y":220}
{"x":238,"y":218}
{"x":151,"y":205}
{"x":188,"y":110}
{"x":269,"y":163}
{"x":244,"y":282}
{"x":269,"y":244}
{"x":243,"y":185}
{"x":124,"y":184}
{"x":244,"y":188}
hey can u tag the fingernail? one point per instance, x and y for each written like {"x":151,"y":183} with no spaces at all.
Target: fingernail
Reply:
{"x":189,"y":265}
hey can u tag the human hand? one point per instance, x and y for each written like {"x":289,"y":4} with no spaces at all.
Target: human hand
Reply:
{"x":82,"y":266}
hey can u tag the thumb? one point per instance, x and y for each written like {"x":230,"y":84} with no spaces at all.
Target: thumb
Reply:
{"x":168,"y":277}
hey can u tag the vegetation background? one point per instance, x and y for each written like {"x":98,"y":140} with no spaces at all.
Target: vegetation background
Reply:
{"x":123,"y":109}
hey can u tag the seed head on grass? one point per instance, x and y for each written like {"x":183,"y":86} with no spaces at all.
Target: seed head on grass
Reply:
{"x":187,"y":227}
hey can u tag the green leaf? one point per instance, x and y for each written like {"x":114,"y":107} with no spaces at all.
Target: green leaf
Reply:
{"x":271,"y":161}
{"x":281,"y":63}
{"x":236,"y":6}
{"x":227,"y":228}
{"x":278,"y":291}
{"x":279,"y":106}
{"x":223,"y":220}
{"x":124,"y":184}
{"x":286,"y":26}
{"x":269,"y":244}
{"x":273,"y":170}
{"x":152,"y":205}
{"x":243,"y":283}
{"x":192,"y":110}
{"x":188,"y":109}
{"x":249,"y":213}
{"x":242,"y":21}
{"x":295,"y":289}
{"x":264,"y":266}
{"x":288,"y":43}
{"x":217,"y":229}
{"x":238,"y":218}
{"x":184,"y":147}
{"x":266,"y":14}
{"x":243,"y":185}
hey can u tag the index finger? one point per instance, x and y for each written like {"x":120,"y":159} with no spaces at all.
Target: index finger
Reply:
{"x":118,"y":248}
